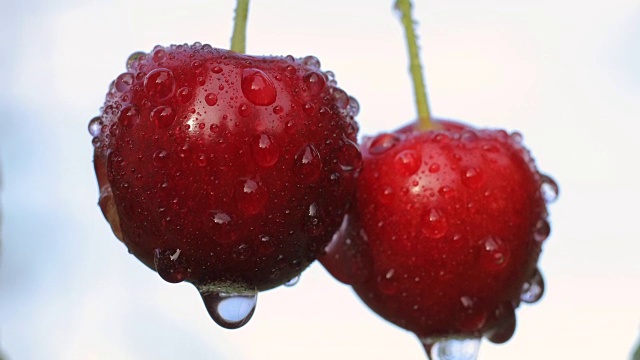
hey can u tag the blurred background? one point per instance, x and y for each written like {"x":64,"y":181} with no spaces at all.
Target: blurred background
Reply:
{"x":566,"y":73}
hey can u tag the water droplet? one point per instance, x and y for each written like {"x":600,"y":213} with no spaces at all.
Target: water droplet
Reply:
{"x":354,"y":107}
{"x":258,"y":87}
{"x":129,"y":116}
{"x":184,"y":95}
{"x":349,"y":157}
{"x":266,"y":245}
{"x":250,"y":196}
{"x":159,"y":84}
{"x":159,"y":55}
{"x":245,"y":110}
{"x":216,"y":69}
{"x":435,"y":224}
{"x":170,"y":265}
{"x":95,"y":126}
{"x":230,"y":310}
{"x":278,"y":109}
{"x":340,"y":98}
{"x":123,"y":82}
{"x":314,"y":82}
{"x":468,"y":136}
{"x":495,"y":253}
{"x":471,"y":317}
{"x":293,"y":281}
{"x":309,"y":108}
{"x":408,"y":162}
{"x":549,"y":189}
{"x":211,"y":99}
{"x":542,"y":230}
{"x":290,"y":70}
{"x":451,"y":348}
{"x":311,"y":61}
{"x":133,"y":57}
{"x":308,"y":164}
{"x":533,"y":289}
{"x":434,"y":168}
{"x":517,"y":137}
{"x":315,"y":220}
{"x":382,"y":143}
{"x":505,"y":326}
{"x":265,"y":151}
{"x":163,"y":116}
{"x":472,"y":177}
{"x":160,"y":158}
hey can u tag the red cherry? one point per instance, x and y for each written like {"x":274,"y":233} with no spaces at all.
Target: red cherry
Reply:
{"x":446,"y":232}
{"x":212,"y":169}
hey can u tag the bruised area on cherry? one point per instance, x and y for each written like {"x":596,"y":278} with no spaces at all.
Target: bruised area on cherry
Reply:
{"x":446,"y":232}
{"x":228,"y":171}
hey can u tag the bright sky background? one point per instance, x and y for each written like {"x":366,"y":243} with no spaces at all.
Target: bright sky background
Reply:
{"x":566,"y":73}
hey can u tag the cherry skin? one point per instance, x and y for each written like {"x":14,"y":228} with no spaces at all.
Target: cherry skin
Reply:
{"x":228,"y":171}
{"x":446,"y":231}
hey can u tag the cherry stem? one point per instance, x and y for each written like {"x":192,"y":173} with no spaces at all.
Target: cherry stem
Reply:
{"x":424,"y":115}
{"x":239,"y":37}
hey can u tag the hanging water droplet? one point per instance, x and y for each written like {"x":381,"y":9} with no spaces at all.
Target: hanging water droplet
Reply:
{"x":382,"y":143}
{"x":95,"y":126}
{"x":170,"y":266}
{"x":314,"y":82}
{"x":458,"y":349}
{"x":533,"y":289}
{"x":505,"y":324}
{"x":229,"y":310}
{"x":549,"y":189}
{"x":257,"y":87}
{"x":293,"y":281}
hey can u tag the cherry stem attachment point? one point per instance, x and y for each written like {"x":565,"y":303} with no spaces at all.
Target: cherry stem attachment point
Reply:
{"x":424,"y":114}
{"x":239,"y":37}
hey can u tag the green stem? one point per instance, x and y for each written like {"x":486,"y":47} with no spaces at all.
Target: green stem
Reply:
{"x":239,"y":37}
{"x":419,"y":88}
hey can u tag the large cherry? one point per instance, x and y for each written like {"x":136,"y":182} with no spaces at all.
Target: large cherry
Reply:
{"x":446,"y":232}
{"x":228,"y":171}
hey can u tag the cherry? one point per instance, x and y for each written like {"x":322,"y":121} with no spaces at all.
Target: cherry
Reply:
{"x":228,"y":171}
{"x":447,"y":230}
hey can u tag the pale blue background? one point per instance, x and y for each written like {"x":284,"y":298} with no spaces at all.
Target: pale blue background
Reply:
{"x":564,"y":72}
